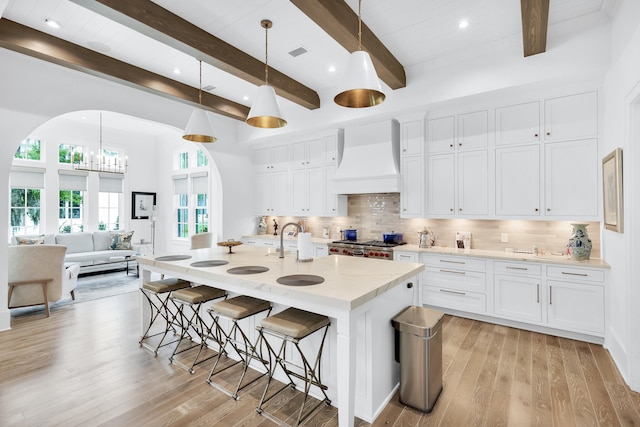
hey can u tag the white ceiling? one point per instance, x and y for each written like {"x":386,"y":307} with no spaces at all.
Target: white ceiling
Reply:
{"x":415,"y":31}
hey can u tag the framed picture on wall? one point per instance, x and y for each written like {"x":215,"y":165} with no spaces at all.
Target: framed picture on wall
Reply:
{"x":612,"y":190}
{"x":142,"y":204}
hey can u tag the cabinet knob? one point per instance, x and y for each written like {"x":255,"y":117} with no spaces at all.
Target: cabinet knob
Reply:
{"x":450,"y":145}
{"x":548,"y":133}
{"x":410,"y":285}
{"x":536,"y":135}
{"x":460,"y":144}
{"x":536,"y":209}
{"x":548,"y":209}
{"x":460,"y":209}
{"x":451,"y":210}
{"x":404,"y":150}
{"x":404,"y":209}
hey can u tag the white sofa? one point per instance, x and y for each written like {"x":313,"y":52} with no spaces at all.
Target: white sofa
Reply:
{"x":90,"y":250}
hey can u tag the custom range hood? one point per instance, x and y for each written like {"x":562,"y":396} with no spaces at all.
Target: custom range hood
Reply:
{"x":370,"y":159}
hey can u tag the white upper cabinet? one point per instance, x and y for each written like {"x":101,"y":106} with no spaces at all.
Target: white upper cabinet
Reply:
{"x":412,"y":195}
{"x":473,"y":188}
{"x":330,"y":153}
{"x":441,"y":185}
{"x":271,"y":159}
{"x":272,"y":193}
{"x":571,"y":117}
{"x":412,"y":138}
{"x":518,"y":180}
{"x":473,"y":130}
{"x":518,"y":124}
{"x":307,"y":154}
{"x":441,"y":135}
{"x":571,"y":178}
{"x":412,"y":169}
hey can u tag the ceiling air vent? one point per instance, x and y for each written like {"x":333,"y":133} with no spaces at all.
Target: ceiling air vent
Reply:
{"x":298,"y":51}
{"x":208,"y":88}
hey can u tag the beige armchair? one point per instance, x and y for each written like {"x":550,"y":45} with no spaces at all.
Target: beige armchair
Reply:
{"x":38,"y":275}
{"x":202,"y":240}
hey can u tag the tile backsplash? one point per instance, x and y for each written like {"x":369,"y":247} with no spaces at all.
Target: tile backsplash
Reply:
{"x":374,"y":214}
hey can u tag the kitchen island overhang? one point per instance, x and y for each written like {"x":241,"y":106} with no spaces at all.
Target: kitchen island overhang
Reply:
{"x":360,"y":295}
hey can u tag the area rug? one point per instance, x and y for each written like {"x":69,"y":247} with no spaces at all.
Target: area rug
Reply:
{"x":105,"y":285}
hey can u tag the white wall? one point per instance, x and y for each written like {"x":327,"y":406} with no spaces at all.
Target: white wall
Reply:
{"x":622,"y":129}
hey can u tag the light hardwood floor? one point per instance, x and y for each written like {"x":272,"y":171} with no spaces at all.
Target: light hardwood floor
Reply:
{"x":83,"y":367}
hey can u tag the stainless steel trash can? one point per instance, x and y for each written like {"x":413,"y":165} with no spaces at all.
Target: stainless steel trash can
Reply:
{"x":419,"y":351}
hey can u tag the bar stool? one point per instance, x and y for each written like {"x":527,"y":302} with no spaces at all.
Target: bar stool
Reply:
{"x":193,"y":298}
{"x":234,"y":310}
{"x":157,"y":294}
{"x":292,"y":325}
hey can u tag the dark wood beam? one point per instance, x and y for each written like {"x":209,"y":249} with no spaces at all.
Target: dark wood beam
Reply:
{"x":338,"y":20}
{"x":40,"y":45}
{"x":535,"y":18}
{"x":158,"y":23}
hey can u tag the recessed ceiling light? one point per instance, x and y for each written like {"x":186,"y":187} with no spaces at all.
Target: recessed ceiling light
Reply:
{"x":176,"y":71}
{"x":246,"y":98}
{"x":52,"y":23}
{"x":332,"y":69}
{"x":463,"y":24}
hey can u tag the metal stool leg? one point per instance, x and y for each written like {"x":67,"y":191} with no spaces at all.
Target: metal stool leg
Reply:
{"x":157,"y":295}
{"x":193,"y":299}
{"x":242,"y":345}
{"x":309,"y":323}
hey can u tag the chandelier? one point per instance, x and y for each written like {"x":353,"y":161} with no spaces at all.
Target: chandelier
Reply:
{"x":100,"y":162}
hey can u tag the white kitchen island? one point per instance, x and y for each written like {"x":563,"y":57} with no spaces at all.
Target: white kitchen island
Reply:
{"x":359,"y":295}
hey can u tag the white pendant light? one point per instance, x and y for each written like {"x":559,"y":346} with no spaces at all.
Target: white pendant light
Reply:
{"x":265,"y":111}
{"x":199,"y":127}
{"x":360,"y":86}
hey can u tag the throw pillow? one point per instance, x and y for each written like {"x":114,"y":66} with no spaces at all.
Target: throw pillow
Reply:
{"x":30,"y":240}
{"x":121,"y":241}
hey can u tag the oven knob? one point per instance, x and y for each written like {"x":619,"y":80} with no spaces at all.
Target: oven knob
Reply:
{"x":344,"y":251}
{"x":371,"y":254}
{"x":386,"y":255}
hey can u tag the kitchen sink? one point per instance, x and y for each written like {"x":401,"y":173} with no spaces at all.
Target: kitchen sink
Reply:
{"x":300,"y":280}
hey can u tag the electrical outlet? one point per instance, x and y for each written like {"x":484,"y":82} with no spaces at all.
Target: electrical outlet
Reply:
{"x":504,"y":237}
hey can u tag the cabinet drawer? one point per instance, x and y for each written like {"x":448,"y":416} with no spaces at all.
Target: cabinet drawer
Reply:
{"x":455,"y":262}
{"x":455,"y":279}
{"x":464,"y":301}
{"x":575,"y":273}
{"x":405,"y":256}
{"x":521,"y":268}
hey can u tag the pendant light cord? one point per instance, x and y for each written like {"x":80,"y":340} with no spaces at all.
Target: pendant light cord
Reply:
{"x":359,"y":25}
{"x":200,"y":86}
{"x":266,"y":54}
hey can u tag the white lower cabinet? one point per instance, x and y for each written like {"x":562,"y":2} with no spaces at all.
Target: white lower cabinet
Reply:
{"x":458,"y":283}
{"x":517,"y":297}
{"x":576,"y":299}
{"x":557,"y":297}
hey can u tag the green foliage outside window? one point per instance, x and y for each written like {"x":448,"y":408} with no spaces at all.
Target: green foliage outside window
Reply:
{"x":202,"y":159}
{"x":183,"y":161}
{"x":65,"y":152}
{"x":25,"y":210}
{"x":29,"y":149}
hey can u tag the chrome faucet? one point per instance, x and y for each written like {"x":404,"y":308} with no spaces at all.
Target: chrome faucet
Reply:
{"x":282,"y":236}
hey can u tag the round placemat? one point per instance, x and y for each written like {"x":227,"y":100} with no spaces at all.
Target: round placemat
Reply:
{"x":173,"y":257}
{"x":247,"y":269}
{"x":209,"y":263}
{"x":300,"y":280}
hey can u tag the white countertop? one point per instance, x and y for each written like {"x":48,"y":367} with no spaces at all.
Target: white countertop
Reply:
{"x":348,"y":281}
{"x":502,"y":255}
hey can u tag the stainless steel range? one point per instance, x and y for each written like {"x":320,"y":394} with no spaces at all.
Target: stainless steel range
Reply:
{"x":368,"y":249}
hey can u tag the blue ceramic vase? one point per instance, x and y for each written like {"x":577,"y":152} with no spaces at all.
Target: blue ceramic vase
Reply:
{"x":579,"y":243}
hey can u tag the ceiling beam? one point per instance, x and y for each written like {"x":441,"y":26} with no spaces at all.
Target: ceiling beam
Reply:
{"x":535,"y":18}
{"x":338,"y":20}
{"x":159,"y":24}
{"x":40,"y":45}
